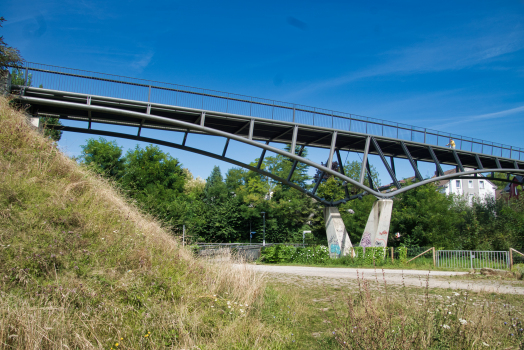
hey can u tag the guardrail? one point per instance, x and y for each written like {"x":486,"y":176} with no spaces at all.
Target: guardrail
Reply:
{"x":93,"y":83}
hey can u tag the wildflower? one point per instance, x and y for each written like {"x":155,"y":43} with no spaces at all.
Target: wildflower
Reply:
{"x":445,"y":326}
{"x":456,"y":294}
{"x":121,"y":338}
{"x":241,"y":310}
{"x":116,"y":344}
{"x":229,"y":306}
{"x":485,"y":344}
{"x":463,"y":321}
{"x":228,"y":302}
{"x":212,"y":306}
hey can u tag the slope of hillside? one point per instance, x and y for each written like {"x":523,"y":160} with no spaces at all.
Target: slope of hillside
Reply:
{"x":81,"y":268}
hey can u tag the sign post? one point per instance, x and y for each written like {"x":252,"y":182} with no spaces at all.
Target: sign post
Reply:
{"x":304,"y":237}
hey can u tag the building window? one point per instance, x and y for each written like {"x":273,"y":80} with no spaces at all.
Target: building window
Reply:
{"x":471,"y":198}
{"x":470,"y":183}
{"x":457,"y":183}
{"x":481,"y":185}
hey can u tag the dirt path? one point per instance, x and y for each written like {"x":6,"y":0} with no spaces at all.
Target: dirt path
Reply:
{"x":417,"y":278}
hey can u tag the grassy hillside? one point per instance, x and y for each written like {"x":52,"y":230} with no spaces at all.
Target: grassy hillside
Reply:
{"x":81,"y":268}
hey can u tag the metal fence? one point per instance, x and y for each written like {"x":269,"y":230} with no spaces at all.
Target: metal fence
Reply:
{"x":92,"y":83}
{"x":472,"y":259}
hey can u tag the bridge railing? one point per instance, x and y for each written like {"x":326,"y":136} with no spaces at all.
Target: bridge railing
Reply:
{"x":93,"y":83}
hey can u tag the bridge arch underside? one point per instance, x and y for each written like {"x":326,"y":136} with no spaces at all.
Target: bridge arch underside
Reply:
{"x":249,"y":130}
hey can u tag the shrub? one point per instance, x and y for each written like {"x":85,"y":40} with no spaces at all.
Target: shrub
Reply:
{"x":311,"y":255}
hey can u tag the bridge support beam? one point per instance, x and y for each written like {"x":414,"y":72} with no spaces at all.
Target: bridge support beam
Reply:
{"x":377,"y":228}
{"x":337,"y":236}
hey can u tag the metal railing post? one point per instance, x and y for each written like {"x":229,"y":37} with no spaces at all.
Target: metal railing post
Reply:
{"x":26,"y":75}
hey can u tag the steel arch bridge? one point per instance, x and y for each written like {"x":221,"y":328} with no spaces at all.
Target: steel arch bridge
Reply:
{"x":102,"y":98}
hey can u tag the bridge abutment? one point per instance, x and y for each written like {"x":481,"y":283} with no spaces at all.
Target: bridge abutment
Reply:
{"x":5,"y":82}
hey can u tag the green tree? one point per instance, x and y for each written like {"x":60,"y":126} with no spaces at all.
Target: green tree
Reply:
{"x":352,"y":170}
{"x":18,"y":77}
{"x":281,"y":166}
{"x":425,"y":217}
{"x":215,"y":189}
{"x":222,"y":217}
{"x":105,"y":157}
{"x":9,"y":56}
{"x":154,"y":179}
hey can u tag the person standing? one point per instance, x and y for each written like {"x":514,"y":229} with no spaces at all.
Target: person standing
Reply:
{"x":451,"y":143}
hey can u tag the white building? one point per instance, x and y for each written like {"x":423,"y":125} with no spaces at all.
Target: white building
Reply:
{"x":469,"y":187}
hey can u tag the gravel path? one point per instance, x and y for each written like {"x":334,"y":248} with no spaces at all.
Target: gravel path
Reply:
{"x":418,"y":278}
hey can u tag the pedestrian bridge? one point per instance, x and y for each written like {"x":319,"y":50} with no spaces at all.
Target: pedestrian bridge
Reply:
{"x":109,"y":99}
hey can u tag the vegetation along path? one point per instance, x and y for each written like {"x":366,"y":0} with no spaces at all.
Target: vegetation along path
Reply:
{"x":432,"y":279}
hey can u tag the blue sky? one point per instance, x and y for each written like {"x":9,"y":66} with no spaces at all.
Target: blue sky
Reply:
{"x":451,"y":66}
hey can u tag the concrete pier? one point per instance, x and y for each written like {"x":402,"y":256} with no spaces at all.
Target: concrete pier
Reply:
{"x":377,"y":228}
{"x":339,"y":243}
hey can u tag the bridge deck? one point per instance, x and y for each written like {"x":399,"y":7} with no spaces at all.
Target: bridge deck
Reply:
{"x":263,"y":129}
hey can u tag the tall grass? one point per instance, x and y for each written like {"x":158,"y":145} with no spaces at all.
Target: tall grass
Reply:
{"x":374,"y":317}
{"x":82,"y":268}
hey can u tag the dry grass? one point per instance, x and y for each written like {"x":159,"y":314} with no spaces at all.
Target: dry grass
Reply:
{"x":81,"y":268}
{"x":377,"y":317}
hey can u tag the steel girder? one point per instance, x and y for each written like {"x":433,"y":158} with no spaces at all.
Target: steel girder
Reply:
{"x":134,"y":113}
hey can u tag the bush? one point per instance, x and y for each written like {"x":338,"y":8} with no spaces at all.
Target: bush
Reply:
{"x":288,"y":254}
{"x":278,"y":254}
{"x":311,"y":255}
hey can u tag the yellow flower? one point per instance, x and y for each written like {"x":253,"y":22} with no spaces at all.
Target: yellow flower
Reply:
{"x":121,"y":338}
{"x":116,"y":344}
{"x":148,"y":332}
{"x":147,"y":335}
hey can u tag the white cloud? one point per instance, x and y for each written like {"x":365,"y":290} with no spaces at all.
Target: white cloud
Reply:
{"x":487,"y":116}
{"x":142,"y":61}
{"x":446,"y":54}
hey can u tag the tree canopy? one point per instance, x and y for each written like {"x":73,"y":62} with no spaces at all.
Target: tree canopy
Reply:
{"x":9,"y":56}
{"x":225,"y":208}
